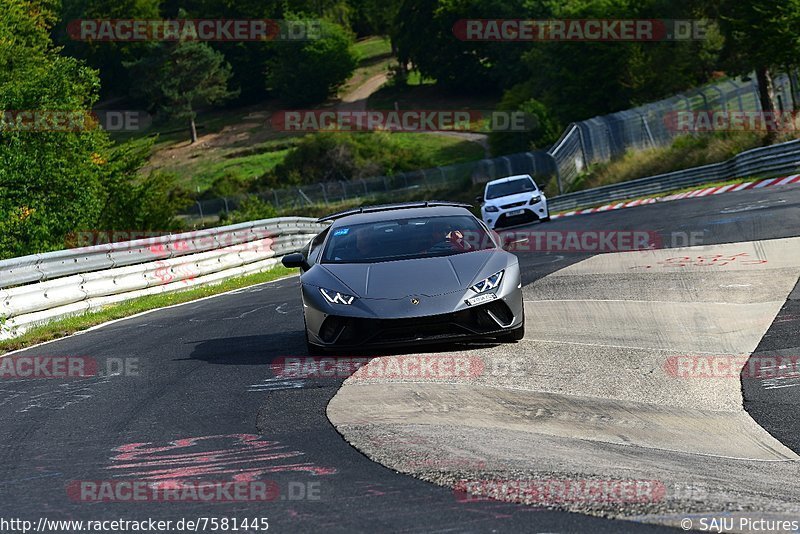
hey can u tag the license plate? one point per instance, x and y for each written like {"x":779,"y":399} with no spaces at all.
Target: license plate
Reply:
{"x":480,"y":299}
{"x":515,"y":213}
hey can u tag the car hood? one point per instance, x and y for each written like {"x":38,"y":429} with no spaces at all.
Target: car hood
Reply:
{"x":510,"y":199}
{"x":399,"y":279}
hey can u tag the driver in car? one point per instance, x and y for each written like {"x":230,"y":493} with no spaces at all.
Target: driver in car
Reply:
{"x":445,"y":239}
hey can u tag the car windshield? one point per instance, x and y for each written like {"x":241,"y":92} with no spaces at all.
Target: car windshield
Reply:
{"x":406,"y":239}
{"x":504,"y":189}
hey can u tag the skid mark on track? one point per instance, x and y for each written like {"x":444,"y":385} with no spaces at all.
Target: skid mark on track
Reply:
{"x":242,"y":457}
{"x":273,"y":384}
{"x":49,"y":396}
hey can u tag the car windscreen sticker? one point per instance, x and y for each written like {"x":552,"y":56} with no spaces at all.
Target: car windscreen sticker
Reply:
{"x":341,"y":231}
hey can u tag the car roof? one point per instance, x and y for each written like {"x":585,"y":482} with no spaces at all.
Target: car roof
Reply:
{"x":509,"y":179}
{"x":400,"y":214}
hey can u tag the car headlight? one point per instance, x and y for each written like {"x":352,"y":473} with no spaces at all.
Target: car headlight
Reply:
{"x":491,"y":209}
{"x":334,"y":297}
{"x":488,"y":283}
{"x":535,"y":199}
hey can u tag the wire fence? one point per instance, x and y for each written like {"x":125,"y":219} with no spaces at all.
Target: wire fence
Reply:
{"x":538,"y":164}
{"x":606,"y":137}
{"x":595,"y":140}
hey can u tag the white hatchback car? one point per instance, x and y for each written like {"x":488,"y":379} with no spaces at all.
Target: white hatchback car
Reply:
{"x":512,"y":201}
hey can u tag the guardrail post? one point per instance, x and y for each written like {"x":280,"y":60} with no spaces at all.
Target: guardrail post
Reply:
{"x":558,"y":181}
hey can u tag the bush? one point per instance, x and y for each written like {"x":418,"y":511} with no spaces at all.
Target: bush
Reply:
{"x":251,"y":209}
{"x":340,"y":156}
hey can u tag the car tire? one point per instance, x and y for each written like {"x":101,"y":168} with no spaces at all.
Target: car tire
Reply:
{"x":515,"y":335}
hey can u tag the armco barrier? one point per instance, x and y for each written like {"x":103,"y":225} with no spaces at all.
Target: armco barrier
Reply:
{"x":769,"y":161}
{"x":43,"y":287}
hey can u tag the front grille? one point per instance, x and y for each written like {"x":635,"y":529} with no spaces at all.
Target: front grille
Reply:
{"x":479,"y":320}
{"x":505,"y":220}
{"x":514,"y":205}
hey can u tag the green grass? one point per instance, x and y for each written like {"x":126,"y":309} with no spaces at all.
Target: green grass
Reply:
{"x":70,"y":325}
{"x":240,"y":168}
{"x":440,"y":149}
{"x":372,"y":49}
{"x":684,"y":152}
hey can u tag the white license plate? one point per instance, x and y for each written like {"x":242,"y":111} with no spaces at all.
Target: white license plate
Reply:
{"x":515,"y":213}
{"x":480,"y":299}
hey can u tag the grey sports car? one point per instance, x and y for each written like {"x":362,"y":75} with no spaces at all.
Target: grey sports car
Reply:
{"x":407,"y":274}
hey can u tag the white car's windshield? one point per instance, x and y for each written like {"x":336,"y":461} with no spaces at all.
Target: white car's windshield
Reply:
{"x":504,"y":189}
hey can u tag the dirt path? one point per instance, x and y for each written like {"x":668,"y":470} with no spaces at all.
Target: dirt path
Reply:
{"x":356,"y":100}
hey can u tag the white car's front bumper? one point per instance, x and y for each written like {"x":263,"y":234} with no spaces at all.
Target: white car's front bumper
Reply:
{"x":516,"y":215}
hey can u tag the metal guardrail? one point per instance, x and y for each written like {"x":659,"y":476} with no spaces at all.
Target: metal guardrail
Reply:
{"x":606,"y":137}
{"x":774,"y":160}
{"x":42,"y":287}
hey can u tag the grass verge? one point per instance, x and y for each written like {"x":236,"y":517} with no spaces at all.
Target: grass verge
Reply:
{"x":685,"y":152}
{"x":70,"y":325}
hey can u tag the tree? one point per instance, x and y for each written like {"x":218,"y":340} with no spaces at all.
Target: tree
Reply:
{"x":424,"y":37}
{"x":106,"y":56}
{"x":50,"y":181}
{"x":543,"y":129}
{"x":578,"y":80}
{"x":308,"y":72}
{"x":178,"y":77}
{"x":760,"y":36}
{"x":56,"y":180}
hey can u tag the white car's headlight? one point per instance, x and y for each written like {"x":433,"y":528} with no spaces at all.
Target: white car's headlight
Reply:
{"x":488,"y":283}
{"x":491,"y":209}
{"x":334,"y":297}
{"x":535,"y":200}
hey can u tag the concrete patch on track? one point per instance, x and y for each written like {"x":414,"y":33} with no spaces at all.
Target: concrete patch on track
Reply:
{"x":593,"y":391}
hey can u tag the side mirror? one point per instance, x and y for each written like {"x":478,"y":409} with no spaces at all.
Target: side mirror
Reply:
{"x":295,"y":260}
{"x":479,"y":199}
